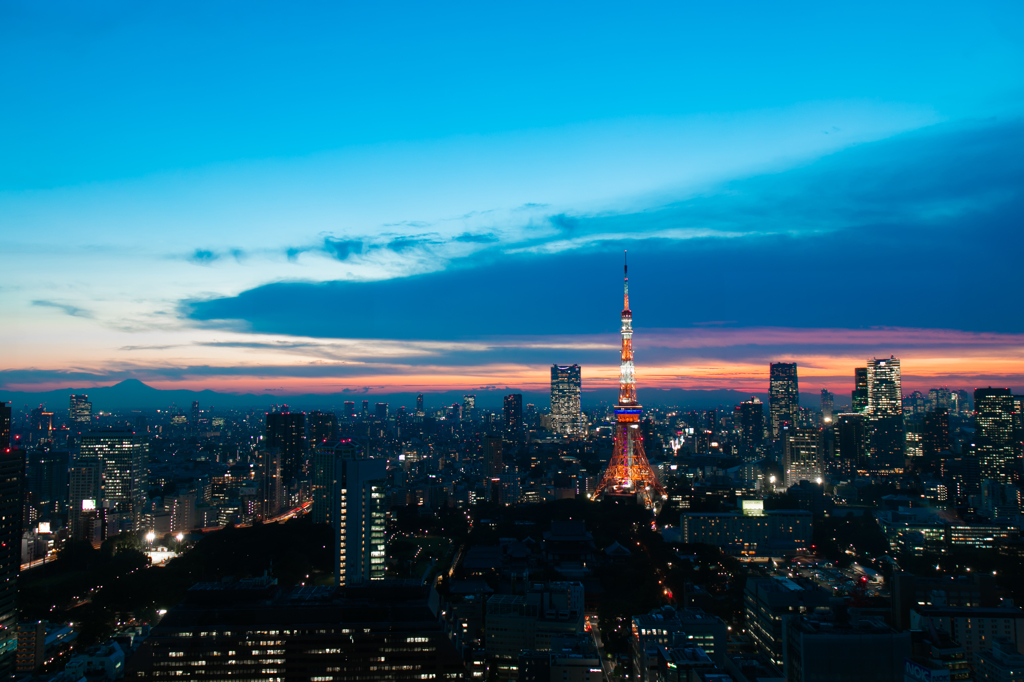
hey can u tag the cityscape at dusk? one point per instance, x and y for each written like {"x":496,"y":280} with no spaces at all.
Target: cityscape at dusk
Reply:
{"x":522,"y":343}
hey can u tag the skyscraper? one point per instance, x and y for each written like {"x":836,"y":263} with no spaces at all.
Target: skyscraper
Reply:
{"x":936,"y":431}
{"x":193,"y":421}
{"x":628,"y":472}
{"x":750,"y":420}
{"x":360,"y":548}
{"x":849,"y":437}
{"x":41,"y":424}
{"x":419,"y":405}
{"x":514,"y":416}
{"x":286,"y":433}
{"x":784,"y":396}
{"x":566,"y":394}
{"x":12,"y":465}
{"x":79,"y":409}
{"x":885,"y":415}
{"x":381,"y":412}
{"x":827,"y":401}
{"x":269,"y":477}
{"x":322,"y":427}
{"x":993,"y":423}
{"x":5,"y":426}
{"x":802,"y":460}
{"x":859,"y":398}
{"x":469,"y":407}
{"x":122,"y":456}
{"x":325,"y":477}
{"x":85,"y":477}
{"x":348,"y":410}
{"x":366,"y":409}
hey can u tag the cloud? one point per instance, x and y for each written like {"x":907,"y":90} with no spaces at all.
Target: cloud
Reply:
{"x":203,"y":257}
{"x":468,"y":238}
{"x":342,"y":248}
{"x":73,"y":311}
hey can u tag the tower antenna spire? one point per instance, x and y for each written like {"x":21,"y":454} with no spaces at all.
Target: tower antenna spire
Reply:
{"x":629,"y":472}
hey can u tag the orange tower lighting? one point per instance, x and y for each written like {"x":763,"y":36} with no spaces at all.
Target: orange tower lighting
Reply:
{"x":629,"y":472}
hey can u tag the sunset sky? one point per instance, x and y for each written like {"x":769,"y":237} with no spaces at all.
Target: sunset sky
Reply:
{"x":398,"y":197}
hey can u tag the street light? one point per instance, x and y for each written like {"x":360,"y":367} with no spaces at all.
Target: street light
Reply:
{"x":150,"y":536}
{"x":179,"y":537}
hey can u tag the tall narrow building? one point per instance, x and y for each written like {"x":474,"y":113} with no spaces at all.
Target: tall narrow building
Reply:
{"x":12,"y":466}
{"x":827,"y":403}
{"x":122,"y":458}
{"x":358,"y":519}
{"x":325,"y":477}
{"x":566,"y":401}
{"x":783,"y":396}
{"x":629,"y":473}
{"x":802,"y":460}
{"x":859,"y":398}
{"x":886,"y":438}
{"x":5,"y":426}
{"x":993,"y":423}
{"x":469,"y":408}
{"x":286,"y":433}
{"x":750,"y":420}
{"x":513,"y":416}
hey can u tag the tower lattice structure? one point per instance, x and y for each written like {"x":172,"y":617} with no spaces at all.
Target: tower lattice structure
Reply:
{"x":628,"y":471}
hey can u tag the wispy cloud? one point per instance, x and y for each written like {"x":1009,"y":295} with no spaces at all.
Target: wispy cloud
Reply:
{"x":67,"y":309}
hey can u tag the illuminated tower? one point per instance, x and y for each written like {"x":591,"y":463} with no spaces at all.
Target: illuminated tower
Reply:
{"x":628,"y":472}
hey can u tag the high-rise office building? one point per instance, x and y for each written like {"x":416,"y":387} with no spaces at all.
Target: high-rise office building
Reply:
{"x":193,"y":420}
{"x":993,"y":423}
{"x":419,"y":405}
{"x":122,"y":455}
{"x":5,"y":426}
{"x":42,"y":424}
{"x":827,"y":402}
{"x":936,"y":431}
{"x":784,"y":396}
{"x":85,"y":477}
{"x":286,"y":433}
{"x":348,"y":410}
{"x":366,"y":409}
{"x":322,"y":427}
{"x":270,"y":477}
{"x":380,"y":412}
{"x":886,"y":436}
{"x":750,"y":421}
{"x":12,"y":466}
{"x":859,"y":399}
{"x":1018,"y":426}
{"x":360,"y":548}
{"x":46,"y":478}
{"x":469,"y":407}
{"x":493,"y":451}
{"x":801,"y":460}
{"x":514,"y":416}
{"x":566,"y":394}
{"x":848,"y":437}
{"x":325,"y":476}
{"x":79,"y":409}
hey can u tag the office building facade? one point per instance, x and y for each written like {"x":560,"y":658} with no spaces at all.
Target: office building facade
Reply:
{"x":802,"y":459}
{"x":886,"y":437}
{"x":79,"y":410}
{"x":784,"y":396}
{"x":123,"y":457}
{"x":358,"y":519}
{"x":286,"y":433}
{"x":566,"y":405}
{"x":993,"y":419}
{"x":750,"y":422}
{"x":12,"y":467}
{"x":513,"y":413}
{"x":859,"y":398}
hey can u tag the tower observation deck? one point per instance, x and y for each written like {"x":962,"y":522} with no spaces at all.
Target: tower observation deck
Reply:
{"x":628,"y":472}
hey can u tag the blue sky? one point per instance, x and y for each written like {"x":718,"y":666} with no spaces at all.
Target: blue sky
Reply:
{"x":261,"y":197}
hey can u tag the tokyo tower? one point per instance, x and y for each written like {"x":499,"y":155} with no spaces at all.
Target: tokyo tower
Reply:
{"x":629,"y":472}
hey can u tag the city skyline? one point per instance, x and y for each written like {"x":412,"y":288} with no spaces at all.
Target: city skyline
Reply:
{"x":173,"y":245}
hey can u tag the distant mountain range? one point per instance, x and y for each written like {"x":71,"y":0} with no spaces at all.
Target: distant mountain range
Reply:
{"x":133,"y":394}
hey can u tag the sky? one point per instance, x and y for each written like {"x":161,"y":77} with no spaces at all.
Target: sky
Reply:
{"x":395,"y":197}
